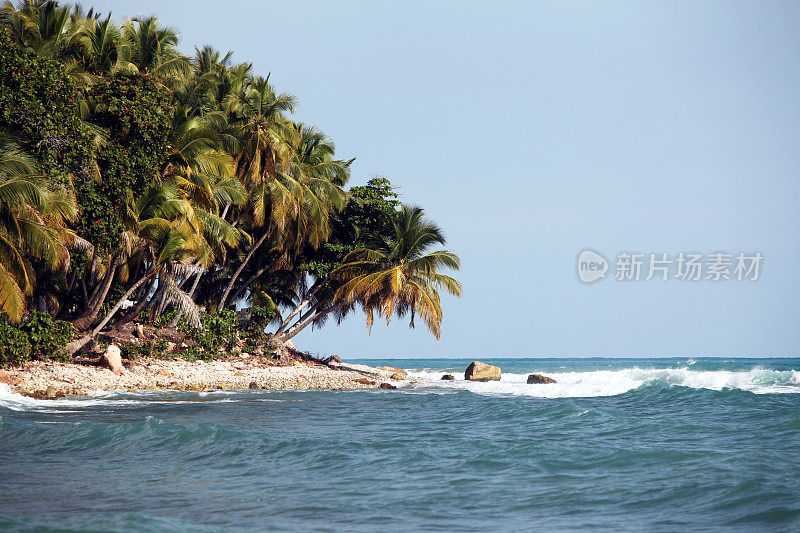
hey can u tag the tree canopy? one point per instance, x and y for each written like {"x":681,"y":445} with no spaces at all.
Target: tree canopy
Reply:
{"x":181,"y":184}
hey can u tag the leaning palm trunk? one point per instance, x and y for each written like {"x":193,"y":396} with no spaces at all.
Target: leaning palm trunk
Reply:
{"x":76,"y":345}
{"x":136,"y":309}
{"x":303,"y":304}
{"x":183,"y":301}
{"x":93,"y":309}
{"x":314,"y":314}
{"x":247,"y":283}
{"x":238,"y":272}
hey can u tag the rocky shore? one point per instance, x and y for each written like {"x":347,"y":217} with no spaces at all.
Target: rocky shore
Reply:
{"x":52,"y":380}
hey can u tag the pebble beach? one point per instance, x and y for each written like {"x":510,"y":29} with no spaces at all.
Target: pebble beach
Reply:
{"x":52,"y":380}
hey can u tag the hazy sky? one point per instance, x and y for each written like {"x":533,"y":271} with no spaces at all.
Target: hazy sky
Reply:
{"x":531,"y":131}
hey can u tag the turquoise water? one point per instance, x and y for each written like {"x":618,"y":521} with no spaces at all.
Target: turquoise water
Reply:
{"x":617,"y":444}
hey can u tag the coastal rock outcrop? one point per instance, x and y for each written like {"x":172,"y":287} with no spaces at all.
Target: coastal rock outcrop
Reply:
{"x":538,"y":379}
{"x":478,"y":371}
{"x":448,"y":377}
{"x":112,"y":360}
{"x":6,"y":378}
{"x":386,"y":386}
{"x":394,"y":370}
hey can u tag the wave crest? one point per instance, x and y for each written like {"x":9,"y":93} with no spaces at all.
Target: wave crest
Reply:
{"x":613,"y":382}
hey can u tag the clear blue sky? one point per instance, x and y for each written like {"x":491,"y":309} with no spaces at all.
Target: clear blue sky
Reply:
{"x":533,"y":130}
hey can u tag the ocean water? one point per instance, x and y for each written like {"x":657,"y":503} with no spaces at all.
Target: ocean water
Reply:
{"x":616,"y":445}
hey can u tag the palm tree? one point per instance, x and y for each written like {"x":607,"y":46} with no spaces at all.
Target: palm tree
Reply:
{"x":315,"y":178}
{"x":106,"y":48}
{"x":264,"y":149}
{"x":33,"y":227}
{"x":152,"y":49}
{"x":397,"y":277}
{"x":164,"y":236}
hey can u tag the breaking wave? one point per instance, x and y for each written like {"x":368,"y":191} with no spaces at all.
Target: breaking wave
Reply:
{"x":613,"y":382}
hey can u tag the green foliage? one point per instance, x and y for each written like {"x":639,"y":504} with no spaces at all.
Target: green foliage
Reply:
{"x":372,"y":209}
{"x":157,"y":348}
{"x":160,"y":346}
{"x":131,"y":351}
{"x":219,"y":330}
{"x":167,"y":317}
{"x":15,"y":348}
{"x":166,"y":163}
{"x":46,"y":336}
{"x":39,"y":104}
{"x":36,"y":337}
{"x":194,"y":353}
{"x":260,"y":316}
{"x":368,"y":216}
{"x":134,"y":112}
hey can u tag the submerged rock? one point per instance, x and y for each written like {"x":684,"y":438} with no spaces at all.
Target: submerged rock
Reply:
{"x":478,"y":371}
{"x":538,"y":379}
{"x":448,"y":377}
{"x":112,"y":360}
{"x":50,"y":393}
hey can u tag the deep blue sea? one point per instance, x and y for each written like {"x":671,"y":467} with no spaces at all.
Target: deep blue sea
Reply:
{"x":615,"y":445}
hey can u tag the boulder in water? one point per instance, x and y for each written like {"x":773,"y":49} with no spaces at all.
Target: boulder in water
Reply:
{"x":448,"y":377}
{"x":386,"y":386}
{"x":478,"y":371}
{"x":112,"y":360}
{"x":538,"y":379}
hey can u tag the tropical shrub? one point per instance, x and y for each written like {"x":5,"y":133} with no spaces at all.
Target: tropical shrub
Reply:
{"x":134,"y":113}
{"x":15,"y":348}
{"x":46,"y":336}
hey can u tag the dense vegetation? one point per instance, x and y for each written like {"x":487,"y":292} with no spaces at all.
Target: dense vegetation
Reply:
{"x":137,"y":183}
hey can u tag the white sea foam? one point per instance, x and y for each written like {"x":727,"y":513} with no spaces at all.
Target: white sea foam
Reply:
{"x":19,"y":402}
{"x":613,"y":382}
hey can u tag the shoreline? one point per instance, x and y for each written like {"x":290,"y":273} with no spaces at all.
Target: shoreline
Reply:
{"x":53,"y":380}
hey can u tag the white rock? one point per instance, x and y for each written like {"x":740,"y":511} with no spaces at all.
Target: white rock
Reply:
{"x":112,"y":359}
